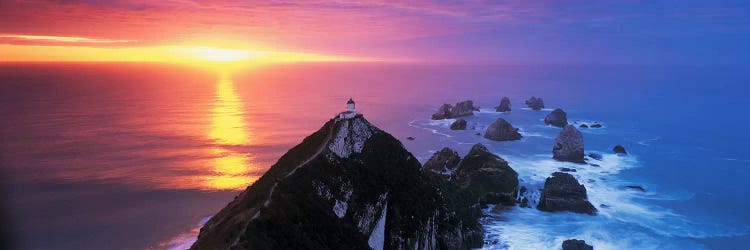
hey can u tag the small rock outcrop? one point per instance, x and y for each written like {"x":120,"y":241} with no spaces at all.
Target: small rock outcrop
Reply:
{"x":557,"y":118}
{"x":620,"y":150}
{"x":575,"y":244}
{"x":535,"y":103}
{"x":597,"y":125}
{"x":562,"y":192}
{"x":583,"y":126}
{"x":448,"y":111}
{"x":504,"y":105}
{"x":595,"y":156}
{"x":636,"y":187}
{"x":459,"y":124}
{"x":443,"y":112}
{"x":569,"y":145}
{"x":487,"y":176}
{"x":443,"y":161}
{"x":501,"y":130}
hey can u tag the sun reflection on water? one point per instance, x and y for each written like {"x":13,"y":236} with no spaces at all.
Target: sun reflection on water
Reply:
{"x":230,"y":169}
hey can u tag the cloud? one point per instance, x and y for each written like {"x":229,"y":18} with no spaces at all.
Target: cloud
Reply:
{"x":56,"y":40}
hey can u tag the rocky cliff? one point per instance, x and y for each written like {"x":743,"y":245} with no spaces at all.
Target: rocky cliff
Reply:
{"x":349,"y":185}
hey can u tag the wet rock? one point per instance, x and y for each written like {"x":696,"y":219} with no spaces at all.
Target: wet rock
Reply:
{"x":568,"y":169}
{"x":575,"y":244}
{"x":569,"y":145}
{"x":635,"y":187}
{"x":557,"y":118}
{"x":410,"y":138}
{"x":501,"y":130}
{"x":443,"y":161}
{"x":595,"y":156}
{"x":596,"y":125}
{"x":562,"y":192}
{"x":583,"y":126}
{"x":619,"y":149}
{"x":504,"y":105}
{"x":459,"y":124}
{"x":535,"y":103}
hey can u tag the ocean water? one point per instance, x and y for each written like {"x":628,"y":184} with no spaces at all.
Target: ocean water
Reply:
{"x":124,"y":156}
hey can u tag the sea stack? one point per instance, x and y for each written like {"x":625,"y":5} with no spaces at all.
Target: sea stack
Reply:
{"x":620,"y":150}
{"x":504,"y":105}
{"x":501,"y":130}
{"x":557,"y":118}
{"x":447,"y":111}
{"x":459,"y":124}
{"x":535,"y":103}
{"x":568,"y":145}
{"x":562,"y":192}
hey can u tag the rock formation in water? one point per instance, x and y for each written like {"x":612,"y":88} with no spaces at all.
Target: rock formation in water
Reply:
{"x":504,"y":105}
{"x":487,"y":177}
{"x":575,"y":244}
{"x":535,"y":103}
{"x":557,"y":118}
{"x":501,"y":130}
{"x":447,"y":111}
{"x":595,"y":156}
{"x":459,"y":124}
{"x":562,"y":192}
{"x":443,"y":161}
{"x":596,"y":125}
{"x":620,"y":150}
{"x":583,"y":126}
{"x":569,"y":145}
{"x":349,"y":185}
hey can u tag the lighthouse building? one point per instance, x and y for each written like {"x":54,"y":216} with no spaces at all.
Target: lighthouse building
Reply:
{"x":350,"y":110}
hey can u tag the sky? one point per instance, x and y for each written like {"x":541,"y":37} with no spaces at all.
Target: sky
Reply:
{"x":614,"y":32}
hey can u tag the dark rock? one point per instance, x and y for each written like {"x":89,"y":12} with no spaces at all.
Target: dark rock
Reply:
{"x":504,"y":105}
{"x":443,"y":112}
{"x":477,"y":134}
{"x":576,"y":245}
{"x":556,"y":118}
{"x":583,"y":126}
{"x":501,"y":130}
{"x":448,"y":111}
{"x":535,"y":103}
{"x":523,"y":190}
{"x":596,"y":125}
{"x":562,"y":192}
{"x":568,"y":169}
{"x":604,"y":206}
{"x":410,"y":138}
{"x":639,"y":188}
{"x":487,"y":176}
{"x":459,"y":124}
{"x":595,"y":156}
{"x":619,"y":149}
{"x":594,"y":165}
{"x":569,"y":145}
{"x":525,"y":202}
{"x":442,"y":161}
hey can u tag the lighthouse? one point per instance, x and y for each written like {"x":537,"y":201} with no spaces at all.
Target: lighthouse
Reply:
{"x":350,"y":110}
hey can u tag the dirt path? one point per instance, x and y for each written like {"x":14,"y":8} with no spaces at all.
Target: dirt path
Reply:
{"x":273,"y":188}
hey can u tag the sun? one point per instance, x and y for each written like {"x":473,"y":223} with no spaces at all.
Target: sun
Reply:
{"x":221,"y":55}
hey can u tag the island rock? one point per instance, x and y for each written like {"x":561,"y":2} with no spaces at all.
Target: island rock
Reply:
{"x":569,"y":145}
{"x":620,"y":150}
{"x":501,"y":130}
{"x":447,"y":111}
{"x":504,"y":105}
{"x":557,"y":118}
{"x":562,"y":192}
{"x":459,"y":124}
{"x":575,"y":244}
{"x":535,"y":103}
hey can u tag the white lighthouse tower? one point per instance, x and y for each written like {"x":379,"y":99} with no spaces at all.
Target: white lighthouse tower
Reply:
{"x":350,"y":110}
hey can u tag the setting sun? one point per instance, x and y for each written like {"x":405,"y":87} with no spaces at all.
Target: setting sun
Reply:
{"x":221,"y":55}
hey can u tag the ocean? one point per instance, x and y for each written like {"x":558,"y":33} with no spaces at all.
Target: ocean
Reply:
{"x":137,"y":156}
